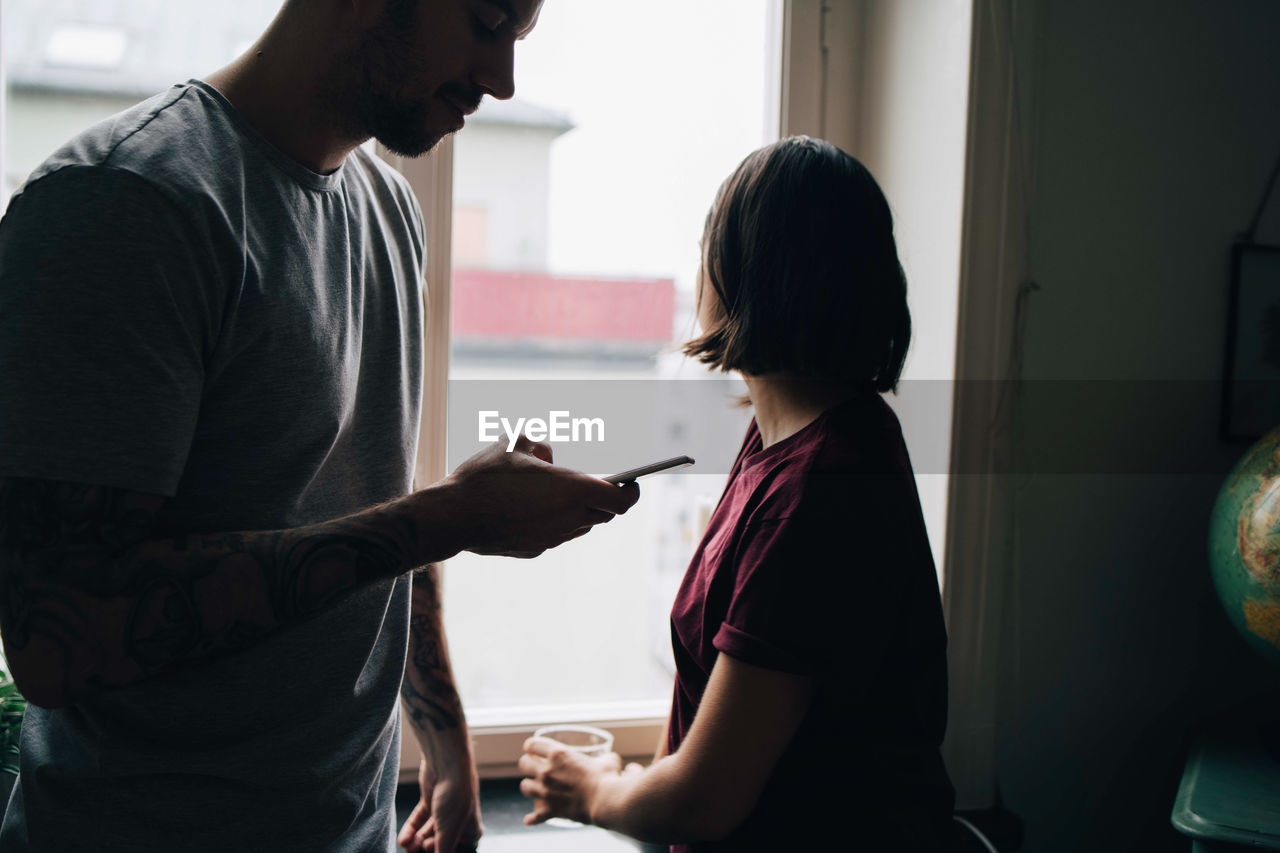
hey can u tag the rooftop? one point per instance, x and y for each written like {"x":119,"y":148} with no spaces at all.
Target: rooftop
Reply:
{"x":131,"y":49}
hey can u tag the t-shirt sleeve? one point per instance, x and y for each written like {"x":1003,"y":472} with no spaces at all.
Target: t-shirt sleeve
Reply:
{"x":105,"y":319}
{"x":814,"y":592}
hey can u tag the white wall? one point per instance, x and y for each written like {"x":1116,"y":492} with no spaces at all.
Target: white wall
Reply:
{"x":893,"y":91}
{"x":910,"y":126}
{"x":1155,"y":127}
{"x":506,"y":169}
{"x":911,"y":135}
{"x":39,"y":123}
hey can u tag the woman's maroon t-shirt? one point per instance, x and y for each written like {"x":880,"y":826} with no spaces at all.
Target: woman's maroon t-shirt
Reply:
{"x":816,"y":562}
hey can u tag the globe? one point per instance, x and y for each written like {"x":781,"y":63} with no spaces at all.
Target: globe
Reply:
{"x":1244,"y":546}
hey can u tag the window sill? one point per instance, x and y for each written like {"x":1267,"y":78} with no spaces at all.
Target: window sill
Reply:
{"x":498,"y":734}
{"x":503,"y":807}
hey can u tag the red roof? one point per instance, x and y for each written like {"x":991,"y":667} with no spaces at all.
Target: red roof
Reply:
{"x":504,"y":305}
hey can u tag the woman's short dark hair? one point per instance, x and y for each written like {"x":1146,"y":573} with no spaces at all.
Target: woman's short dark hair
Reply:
{"x":799,"y":249}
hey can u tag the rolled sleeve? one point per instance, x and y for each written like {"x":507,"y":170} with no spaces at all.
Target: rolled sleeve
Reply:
{"x":740,"y":645}
{"x":105,"y":317}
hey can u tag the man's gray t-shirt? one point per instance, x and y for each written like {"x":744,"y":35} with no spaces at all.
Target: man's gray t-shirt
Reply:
{"x":186,"y":311}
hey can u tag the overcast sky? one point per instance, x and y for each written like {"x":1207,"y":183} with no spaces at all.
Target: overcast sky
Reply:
{"x":668,"y":96}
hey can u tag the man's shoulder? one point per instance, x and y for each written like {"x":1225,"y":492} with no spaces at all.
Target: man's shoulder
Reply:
{"x":131,"y":140}
{"x":151,"y":150}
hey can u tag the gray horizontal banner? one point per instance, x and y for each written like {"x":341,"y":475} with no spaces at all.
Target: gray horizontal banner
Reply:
{"x":604,"y":426}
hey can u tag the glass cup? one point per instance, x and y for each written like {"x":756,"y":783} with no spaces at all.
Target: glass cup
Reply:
{"x":586,"y":740}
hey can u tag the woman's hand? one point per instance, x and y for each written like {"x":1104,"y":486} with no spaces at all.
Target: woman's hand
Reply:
{"x":563,"y":783}
{"x":701,"y":792}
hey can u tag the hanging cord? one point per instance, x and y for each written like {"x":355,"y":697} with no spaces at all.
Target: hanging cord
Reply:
{"x":1011,"y":385}
{"x":1262,"y":205}
{"x":986,"y":842}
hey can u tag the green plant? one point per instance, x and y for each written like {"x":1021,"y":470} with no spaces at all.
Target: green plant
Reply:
{"x":12,"y":709}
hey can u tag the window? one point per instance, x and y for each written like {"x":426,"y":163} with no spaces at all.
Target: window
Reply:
{"x":86,"y":47}
{"x":577,"y":210}
{"x":470,"y":235}
{"x":885,"y":82}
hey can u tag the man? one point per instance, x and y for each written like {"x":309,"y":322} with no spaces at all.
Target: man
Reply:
{"x":210,"y":363}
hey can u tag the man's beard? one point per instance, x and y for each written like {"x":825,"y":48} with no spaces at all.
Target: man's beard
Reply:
{"x":397,"y":124}
{"x":364,"y":92}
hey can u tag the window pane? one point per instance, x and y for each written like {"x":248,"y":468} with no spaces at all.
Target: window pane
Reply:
{"x":578,"y":207}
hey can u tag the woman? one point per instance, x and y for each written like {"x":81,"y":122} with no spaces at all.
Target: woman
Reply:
{"x":810,"y":695}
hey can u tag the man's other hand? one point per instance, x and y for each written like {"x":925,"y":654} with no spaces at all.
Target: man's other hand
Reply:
{"x":447,"y":818}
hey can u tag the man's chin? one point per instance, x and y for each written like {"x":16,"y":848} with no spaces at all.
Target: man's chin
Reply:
{"x":403,"y":146}
{"x":411,"y":137}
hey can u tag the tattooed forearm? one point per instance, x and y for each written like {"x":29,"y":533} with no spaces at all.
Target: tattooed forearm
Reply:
{"x":92,"y":595}
{"x":428,"y":690}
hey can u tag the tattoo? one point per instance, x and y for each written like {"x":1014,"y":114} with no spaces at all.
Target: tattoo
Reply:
{"x":428,"y":689}
{"x":96,"y":597}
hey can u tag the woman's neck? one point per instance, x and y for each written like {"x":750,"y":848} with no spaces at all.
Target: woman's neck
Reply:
{"x":784,"y":405}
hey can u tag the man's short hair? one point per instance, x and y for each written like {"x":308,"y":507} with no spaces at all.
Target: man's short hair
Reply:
{"x":799,"y":248}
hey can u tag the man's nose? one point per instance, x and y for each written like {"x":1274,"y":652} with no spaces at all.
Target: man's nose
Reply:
{"x":496,"y":76}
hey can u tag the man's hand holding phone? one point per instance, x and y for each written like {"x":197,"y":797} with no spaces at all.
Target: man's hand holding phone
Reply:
{"x":518,"y":504}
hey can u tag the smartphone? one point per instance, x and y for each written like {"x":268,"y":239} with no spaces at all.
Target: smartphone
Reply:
{"x":655,"y":468}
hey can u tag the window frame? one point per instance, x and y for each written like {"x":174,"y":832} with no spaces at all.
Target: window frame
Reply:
{"x":818,"y":40}
{"x":816,"y":55}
